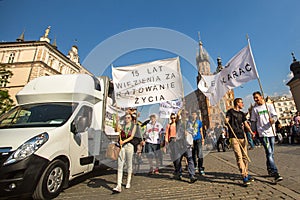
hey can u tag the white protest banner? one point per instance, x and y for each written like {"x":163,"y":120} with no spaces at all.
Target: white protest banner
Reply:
{"x":147,"y":83}
{"x":168,"y":107}
{"x":240,"y":69}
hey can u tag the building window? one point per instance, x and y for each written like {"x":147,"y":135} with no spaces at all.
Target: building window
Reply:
{"x":61,"y":70}
{"x":4,"y":80}
{"x":11,"y":57}
{"x":51,"y":62}
{"x":280,"y":109}
{"x":279,"y":104}
{"x":292,"y":108}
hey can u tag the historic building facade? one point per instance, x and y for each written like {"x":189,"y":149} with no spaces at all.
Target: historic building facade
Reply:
{"x":30,"y":59}
{"x":285,"y":109}
{"x":294,"y":83}
{"x":197,"y":101}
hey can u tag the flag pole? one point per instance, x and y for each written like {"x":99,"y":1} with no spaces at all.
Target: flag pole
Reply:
{"x":182,"y":89}
{"x":260,"y":85}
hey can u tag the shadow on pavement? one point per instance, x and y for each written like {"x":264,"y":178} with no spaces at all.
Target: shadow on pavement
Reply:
{"x":222,"y":178}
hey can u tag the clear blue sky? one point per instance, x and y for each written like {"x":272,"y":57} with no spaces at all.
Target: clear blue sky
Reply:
{"x":272,"y":25}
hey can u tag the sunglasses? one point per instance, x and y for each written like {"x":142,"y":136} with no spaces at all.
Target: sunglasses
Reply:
{"x":173,"y":118}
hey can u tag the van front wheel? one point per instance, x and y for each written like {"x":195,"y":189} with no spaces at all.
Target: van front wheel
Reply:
{"x":52,"y":180}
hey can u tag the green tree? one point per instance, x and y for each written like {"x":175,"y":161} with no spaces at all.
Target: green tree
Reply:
{"x":6,"y":103}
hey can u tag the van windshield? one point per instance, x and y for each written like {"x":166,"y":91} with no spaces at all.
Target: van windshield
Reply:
{"x":36,"y":115}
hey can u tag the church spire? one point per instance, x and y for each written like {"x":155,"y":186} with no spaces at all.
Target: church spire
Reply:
{"x":199,"y":39}
{"x":200,"y":44}
{"x":202,"y":55}
{"x":21,"y":37}
{"x":202,"y":61}
{"x":54,"y":43}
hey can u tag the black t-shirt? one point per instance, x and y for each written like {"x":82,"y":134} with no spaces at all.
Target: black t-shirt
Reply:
{"x":236,"y":119}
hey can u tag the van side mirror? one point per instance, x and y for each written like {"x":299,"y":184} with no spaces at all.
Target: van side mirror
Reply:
{"x":79,"y":125}
{"x":73,"y":128}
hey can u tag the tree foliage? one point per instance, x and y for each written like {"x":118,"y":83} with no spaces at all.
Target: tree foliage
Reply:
{"x":6,"y":103}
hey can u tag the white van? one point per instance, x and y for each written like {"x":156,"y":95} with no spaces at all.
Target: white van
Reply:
{"x":53,"y":135}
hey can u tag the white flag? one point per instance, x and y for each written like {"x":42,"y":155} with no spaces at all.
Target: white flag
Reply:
{"x":209,"y":87}
{"x":147,"y":83}
{"x":240,"y":69}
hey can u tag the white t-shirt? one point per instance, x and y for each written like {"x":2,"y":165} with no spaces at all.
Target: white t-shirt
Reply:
{"x":152,"y":133}
{"x":260,"y":116}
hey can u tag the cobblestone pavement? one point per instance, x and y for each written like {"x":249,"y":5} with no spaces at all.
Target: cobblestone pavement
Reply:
{"x":222,"y":180}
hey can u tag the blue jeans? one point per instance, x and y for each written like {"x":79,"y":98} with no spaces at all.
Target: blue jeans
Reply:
{"x":198,"y":153}
{"x":189,"y":157}
{"x":268,"y":143}
{"x":249,"y":137}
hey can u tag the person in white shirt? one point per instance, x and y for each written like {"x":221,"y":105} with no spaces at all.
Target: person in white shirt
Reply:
{"x":152,"y":137}
{"x":264,"y":116}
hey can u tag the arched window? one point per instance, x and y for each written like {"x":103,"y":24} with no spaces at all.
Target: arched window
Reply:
{"x":11,"y":57}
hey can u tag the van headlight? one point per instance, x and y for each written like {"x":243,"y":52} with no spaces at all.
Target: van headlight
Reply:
{"x":28,"y":148}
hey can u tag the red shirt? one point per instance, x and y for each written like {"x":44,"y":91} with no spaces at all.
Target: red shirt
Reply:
{"x":171,"y":131}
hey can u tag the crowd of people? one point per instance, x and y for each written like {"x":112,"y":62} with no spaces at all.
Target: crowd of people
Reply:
{"x":184,"y":137}
{"x":291,"y":133}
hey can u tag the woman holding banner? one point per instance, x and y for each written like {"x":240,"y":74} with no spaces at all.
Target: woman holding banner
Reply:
{"x":127,"y":133}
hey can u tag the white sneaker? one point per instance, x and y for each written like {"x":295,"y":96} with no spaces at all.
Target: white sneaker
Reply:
{"x":127,"y":186}
{"x":117,"y":189}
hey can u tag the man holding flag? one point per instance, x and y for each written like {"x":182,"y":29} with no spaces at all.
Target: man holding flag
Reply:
{"x":264,"y":116}
{"x":241,"y":69}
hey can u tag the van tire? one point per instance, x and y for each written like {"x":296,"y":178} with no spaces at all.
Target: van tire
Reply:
{"x":56,"y":172}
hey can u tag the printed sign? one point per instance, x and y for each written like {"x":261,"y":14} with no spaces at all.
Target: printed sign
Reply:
{"x":147,"y":83}
{"x":168,"y":107}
